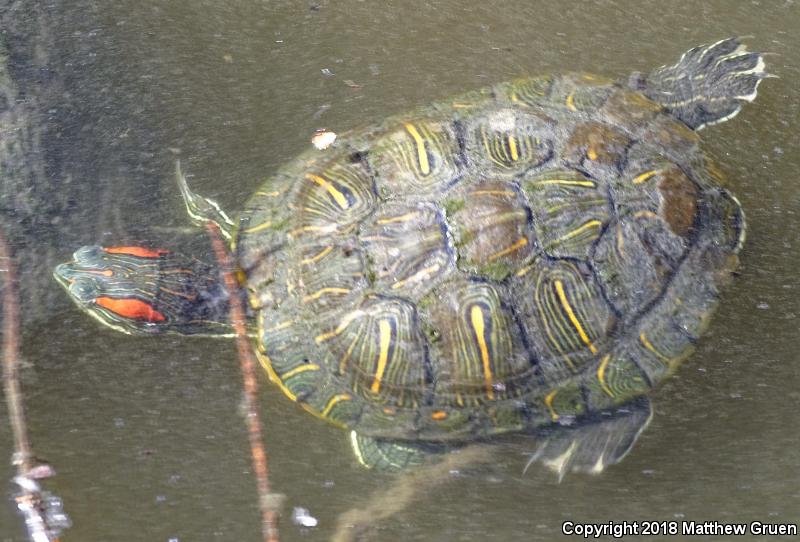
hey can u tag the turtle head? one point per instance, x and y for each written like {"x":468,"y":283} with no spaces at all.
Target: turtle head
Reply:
{"x":140,"y":290}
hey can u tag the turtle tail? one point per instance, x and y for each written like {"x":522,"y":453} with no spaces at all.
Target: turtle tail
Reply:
{"x":708,"y":84}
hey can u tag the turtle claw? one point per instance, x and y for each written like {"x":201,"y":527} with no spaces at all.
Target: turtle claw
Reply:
{"x":201,"y":209}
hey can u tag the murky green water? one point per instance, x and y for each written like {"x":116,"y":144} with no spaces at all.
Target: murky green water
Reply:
{"x":145,"y":433}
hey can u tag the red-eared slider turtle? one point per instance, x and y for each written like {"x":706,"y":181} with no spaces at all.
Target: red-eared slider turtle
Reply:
{"x":517,"y":256}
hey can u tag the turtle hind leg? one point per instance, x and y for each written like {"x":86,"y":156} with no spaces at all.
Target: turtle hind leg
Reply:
{"x":708,"y":84}
{"x":594,"y":444}
{"x":391,"y":455}
{"x":201,"y":209}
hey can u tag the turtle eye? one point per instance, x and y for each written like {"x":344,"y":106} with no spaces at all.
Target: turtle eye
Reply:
{"x":131,"y":308}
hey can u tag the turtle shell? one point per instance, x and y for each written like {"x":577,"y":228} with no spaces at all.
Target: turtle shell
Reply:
{"x":504,"y":259}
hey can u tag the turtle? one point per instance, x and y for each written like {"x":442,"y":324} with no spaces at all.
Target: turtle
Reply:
{"x":508,"y":260}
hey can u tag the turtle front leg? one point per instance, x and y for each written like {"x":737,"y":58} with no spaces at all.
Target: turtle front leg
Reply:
{"x":201,"y":209}
{"x":138,"y":290}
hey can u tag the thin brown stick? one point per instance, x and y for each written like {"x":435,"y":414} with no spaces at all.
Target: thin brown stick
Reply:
{"x":267,"y":500}
{"x":31,"y":501}
{"x":23,"y":459}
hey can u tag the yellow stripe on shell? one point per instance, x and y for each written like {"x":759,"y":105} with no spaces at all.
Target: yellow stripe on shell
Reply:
{"x":567,"y":182}
{"x":346,"y":358}
{"x":524,"y":271}
{"x":485,"y":139}
{"x":493,"y":193}
{"x":266,"y":363}
{"x":571,"y":102}
{"x":282,"y":325}
{"x":562,"y":296}
{"x":341,"y":327}
{"x":357,"y":450}
{"x":601,"y":375}
{"x":548,"y":400}
{"x":647,"y":344}
{"x":548,"y":317}
{"x":315,"y":211}
{"x":384,"y":342}
{"x":422,"y":153}
{"x":300,"y":369}
{"x":340,"y":198}
{"x":639,"y":179}
{"x":259,"y":227}
{"x":419,"y":275}
{"x":476,"y":319}
{"x":580,"y":229}
{"x":512,"y":147}
{"x":324,"y":291}
{"x":521,"y":242}
{"x":330,"y":228}
{"x":333,"y":401}
{"x":324,"y":252}
{"x":402,"y":218}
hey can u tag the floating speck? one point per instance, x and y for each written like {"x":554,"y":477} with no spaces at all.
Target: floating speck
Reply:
{"x":301,"y":516}
{"x":326,"y":72}
{"x":762,"y":305}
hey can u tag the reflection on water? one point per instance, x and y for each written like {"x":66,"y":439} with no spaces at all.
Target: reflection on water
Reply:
{"x":145,"y":433}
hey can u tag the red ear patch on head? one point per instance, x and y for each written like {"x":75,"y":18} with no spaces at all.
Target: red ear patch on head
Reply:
{"x":140,"y":252}
{"x":133,"y":309}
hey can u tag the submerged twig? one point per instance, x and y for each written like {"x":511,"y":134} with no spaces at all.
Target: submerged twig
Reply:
{"x":43,"y":513}
{"x":268,"y":502}
{"x":406,"y":489}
